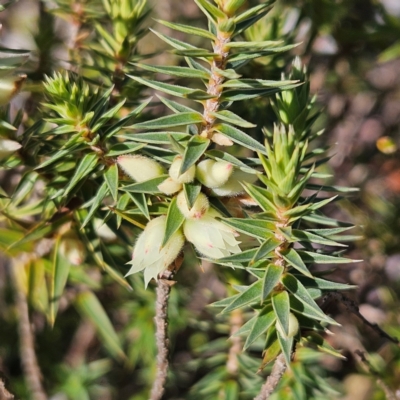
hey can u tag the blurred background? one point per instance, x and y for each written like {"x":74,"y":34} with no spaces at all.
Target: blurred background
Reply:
{"x":352,"y":51}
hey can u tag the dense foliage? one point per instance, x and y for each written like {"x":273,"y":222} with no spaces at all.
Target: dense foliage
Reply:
{"x":212,"y":163}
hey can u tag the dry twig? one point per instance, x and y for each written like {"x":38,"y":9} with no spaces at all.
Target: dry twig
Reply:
{"x":352,"y":306}
{"x":161,"y":321}
{"x":29,"y":361}
{"x":273,"y":379}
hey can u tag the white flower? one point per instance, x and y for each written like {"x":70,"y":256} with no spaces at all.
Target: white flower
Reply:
{"x":148,"y":255}
{"x":211,"y":238}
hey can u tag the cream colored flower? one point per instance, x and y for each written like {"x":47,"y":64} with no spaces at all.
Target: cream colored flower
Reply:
{"x":148,"y":255}
{"x":210,"y":237}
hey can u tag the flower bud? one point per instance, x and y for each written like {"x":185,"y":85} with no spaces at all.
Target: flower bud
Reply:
{"x":199,"y":208}
{"x":140,"y":168}
{"x":221,"y":139}
{"x":9,"y":87}
{"x":169,"y":186}
{"x":293,"y":327}
{"x":8,"y":147}
{"x":212,"y":173}
{"x":186,"y":177}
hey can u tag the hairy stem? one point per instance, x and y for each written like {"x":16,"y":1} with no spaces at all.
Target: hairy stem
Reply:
{"x":29,"y":361}
{"x":162,"y":342}
{"x":236,"y":321}
{"x":273,"y":379}
{"x":214,"y":87}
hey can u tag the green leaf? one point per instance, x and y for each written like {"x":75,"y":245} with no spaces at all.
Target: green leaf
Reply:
{"x":174,"y":221}
{"x":323,"y":284}
{"x":24,"y":187}
{"x":262,"y":323}
{"x":196,"y":53}
{"x":191,"y":191}
{"x":251,"y":55}
{"x":191,"y":30}
{"x":183,"y":72}
{"x":257,"y":45}
{"x":222,"y":155}
{"x":391,"y":53}
{"x":156,"y":137}
{"x":336,"y":189}
{"x":240,"y":94}
{"x":60,"y":154}
{"x":89,"y":307}
{"x":281,"y":305}
{"x":251,"y":12}
{"x":314,"y":340}
{"x":250,"y":295}
{"x":286,"y":345}
{"x":60,"y":267}
{"x":150,"y":186}
{"x":195,"y":148}
{"x":173,"y":90}
{"x":295,"y":287}
{"x":307,"y":311}
{"x":141,"y":202}
{"x":229,"y":116}
{"x":240,"y":137}
{"x":177,"y":44}
{"x":231,"y":390}
{"x":39,"y":231}
{"x":175,"y":106}
{"x":124,"y":148}
{"x":265,"y":249}
{"x":245,"y":84}
{"x":261,"y":195}
{"x":300,"y":235}
{"x":292,"y":257}
{"x":271,"y":278}
{"x":100,"y":195}
{"x":171,"y":121}
{"x":244,"y":256}
{"x":111,"y":178}
{"x":311,"y":257}
{"x":257,"y":228}
{"x":85,"y":167}
{"x":212,"y":12}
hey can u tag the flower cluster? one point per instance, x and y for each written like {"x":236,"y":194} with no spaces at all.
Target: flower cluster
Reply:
{"x":211,"y":237}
